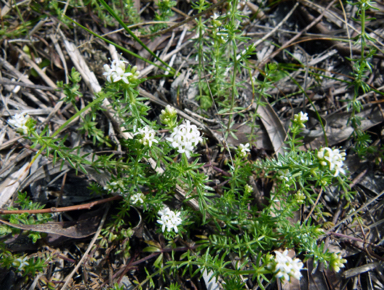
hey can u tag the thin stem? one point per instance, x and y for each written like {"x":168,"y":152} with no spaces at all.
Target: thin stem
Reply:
{"x":233,"y":85}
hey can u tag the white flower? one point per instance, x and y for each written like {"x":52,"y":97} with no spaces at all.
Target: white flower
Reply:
{"x":184,"y":138}
{"x":109,"y":71}
{"x":147,"y":136}
{"x":300,"y":119}
{"x":163,"y":211}
{"x":339,"y":169}
{"x":243,"y":150}
{"x":116,"y":72}
{"x":169,"y":110}
{"x":334,"y":158}
{"x":215,"y":16}
{"x":114,"y":185}
{"x":21,"y":262}
{"x":297,"y":265}
{"x":169,"y":219}
{"x":286,"y":267}
{"x":120,"y":73}
{"x":137,"y":198}
{"x":19,"y":121}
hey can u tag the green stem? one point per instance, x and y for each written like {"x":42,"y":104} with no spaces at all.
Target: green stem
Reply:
{"x":112,"y":12}
{"x":98,"y":100}
{"x":116,"y":45}
{"x":233,"y":86}
{"x":200,"y":56}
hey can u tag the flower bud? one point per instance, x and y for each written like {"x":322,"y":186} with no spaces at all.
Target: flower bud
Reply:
{"x":248,"y":189}
{"x":337,"y":262}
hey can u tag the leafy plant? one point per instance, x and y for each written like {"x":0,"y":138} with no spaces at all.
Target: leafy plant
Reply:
{"x":24,"y":202}
{"x":257,"y":234}
{"x":361,"y":66}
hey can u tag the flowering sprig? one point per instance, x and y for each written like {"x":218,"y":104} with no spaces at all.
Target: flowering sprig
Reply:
{"x":334,"y":158}
{"x":248,"y":189}
{"x":215,"y":21}
{"x":137,"y":198}
{"x":169,"y":116}
{"x":251,"y":231}
{"x":115,"y":185}
{"x":286,"y":267}
{"x":299,"y":197}
{"x":300,"y":119}
{"x":117,"y":72}
{"x":20,"y":122}
{"x":337,"y":262}
{"x":184,"y":138}
{"x":21,"y":263}
{"x":242,"y":150}
{"x":169,"y":220}
{"x":147,"y":136}
{"x":286,"y":177}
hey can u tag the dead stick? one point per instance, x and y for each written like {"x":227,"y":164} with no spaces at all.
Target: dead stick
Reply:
{"x":62,"y":209}
{"x":38,"y":87}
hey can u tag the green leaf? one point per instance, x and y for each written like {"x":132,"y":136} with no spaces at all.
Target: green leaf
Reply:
{"x":158,"y":261}
{"x":151,"y":249}
{"x":222,"y":111}
{"x":233,"y":135}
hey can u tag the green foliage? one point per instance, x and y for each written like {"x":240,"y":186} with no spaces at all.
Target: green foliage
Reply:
{"x":71,"y":92}
{"x":28,"y":267}
{"x":234,"y":224}
{"x":361,"y":67}
{"x":23,"y":202}
{"x":163,"y":13}
{"x":124,"y":9}
{"x":233,"y":283}
{"x":173,"y":286}
{"x":11,"y":31}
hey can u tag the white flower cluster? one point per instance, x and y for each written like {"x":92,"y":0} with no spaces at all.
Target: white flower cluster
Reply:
{"x":21,"y":263}
{"x":332,"y":157}
{"x":286,"y":267}
{"x":184,"y":138}
{"x":300,"y":119}
{"x":147,"y":136}
{"x":114,"y":185}
{"x":137,"y":198}
{"x":169,"y":219}
{"x":116,"y":72}
{"x":242,"y":150}
{"x":19,"y":121}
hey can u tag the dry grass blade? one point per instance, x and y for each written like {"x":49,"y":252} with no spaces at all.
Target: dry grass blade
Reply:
{"x":10,"y":185}
{"x":273,"y":126}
